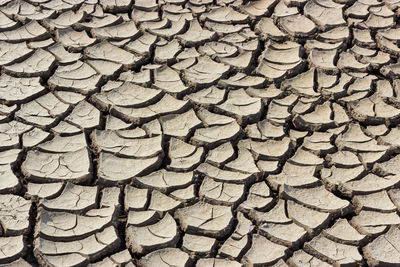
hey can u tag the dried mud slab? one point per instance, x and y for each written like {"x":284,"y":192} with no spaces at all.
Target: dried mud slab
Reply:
{"x":166,"y":257}
{"x":198,"y":244}
{"x":51,"y":167}
{"x":168,"y":80}
{"x":12,"y":249}
{"x":243,"y":107}
{"x":224,"y":175}
{"x":180,"y":125}
{"x":294,"y":175}
{"x":125,"y":94}
{"x":343,"y":232}
{"x":31,"y":31}
{"x":11,"y":53}
{"x":62,"y":226}
{"x":84,"y":116}
{"x":166,"y":105}
{"x":384,"y":249}
{"x":113,"y":169}
{"x":73,"y":198}
{"x":9,"y":181}
{"x":14,"y":217}
{"x":145,"y":239}
{"x":373,"y":223}
{"x":18,"y":90}
{"x":92,"y":247}
{"x":255,"y":255}
{"x":39,"y":63}
{"x":183,"y":156}
{"x":121,"y":143}
{"x":273,"y":67}
{"x":301,"y":258}
{"x":215,"y":135}
{"x":314,"y":198}
{"x":72,"y":39}
{"x":113,"y":54}
{"x":116,"y":32}
{"x":205,"y":72}
{"x":334,"y":253}
{"x":326,"y":14}
{"x":207,"y":219}
{"x":43,"y":111}
{"x":195,"y":34}
{"x":220,"y":192}
{"x":208,"y":96}
{"x":166,"y":181}
{"x":79,"y":77}
{"x":10,"y":133}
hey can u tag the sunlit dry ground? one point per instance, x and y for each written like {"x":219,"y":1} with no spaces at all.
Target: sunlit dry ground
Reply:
{"x":199,"y":133}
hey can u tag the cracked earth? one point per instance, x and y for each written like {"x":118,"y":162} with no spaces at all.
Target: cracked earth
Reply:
{"x":209,"y":133}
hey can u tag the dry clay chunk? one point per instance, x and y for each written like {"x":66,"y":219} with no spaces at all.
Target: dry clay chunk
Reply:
{"x":168,"y":80}
{"x":317,"y":198}
{"x":12,"y":248}
{"x":18,"y":90}
{"x":301,"y":258}
{"x":116,"y":32}
{"x":93,"y":247}
{"x":334,"y":253}
{"x":73,"y":198}
{"x":166,"y":180}
{"x":39,"y":64}
{"x":115,"y":142}
{"x":113,"y":169}
{"x":41,"y":191}
{"x":29,"y":32}
{"x":74,"y":39}
{"x":205,"y":72}
{"x":256,"y":254}
{"x":79,"y":77}
{"x":343,"y":232}
{"x":145,"y":239}
{"x":61,"y":144}
{"x":13,"y":52}
{"x":166,"y":105}
{"x":384,"y":250}
{"x":243,"y":107}
{"x":207,"y":219}
{"x":14,"y":214}
{"x":214,"y":135}
{"x":125,"y":94}
{"x":221,"y":193}
{"x":84,"y":116}
{"x":184,"y":157}
{"x":10,"y":132}
{"x":53,"y":167}
{"x":62,"y":226}
{"x":217,"y":262}
{"x":223,"y":175}
{"x":197,"y":244}
{"x":165,"y":257}
{"x":162,"y":203}
{"x":109,"y":52}
{"x":43,"y":111}
{"x":180,"y":125}
{"x":9,"y":183}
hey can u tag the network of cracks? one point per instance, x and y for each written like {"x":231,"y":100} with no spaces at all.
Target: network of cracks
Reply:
{"x":210,"y":133}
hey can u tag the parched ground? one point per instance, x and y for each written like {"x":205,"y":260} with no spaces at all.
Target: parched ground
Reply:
{"x":209,"y":133}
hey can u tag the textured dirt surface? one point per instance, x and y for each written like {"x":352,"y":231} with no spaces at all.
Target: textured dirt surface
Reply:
{"x":210,"y":133}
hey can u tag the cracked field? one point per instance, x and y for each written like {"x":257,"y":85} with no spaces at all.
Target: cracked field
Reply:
{"x":207,"y":133}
